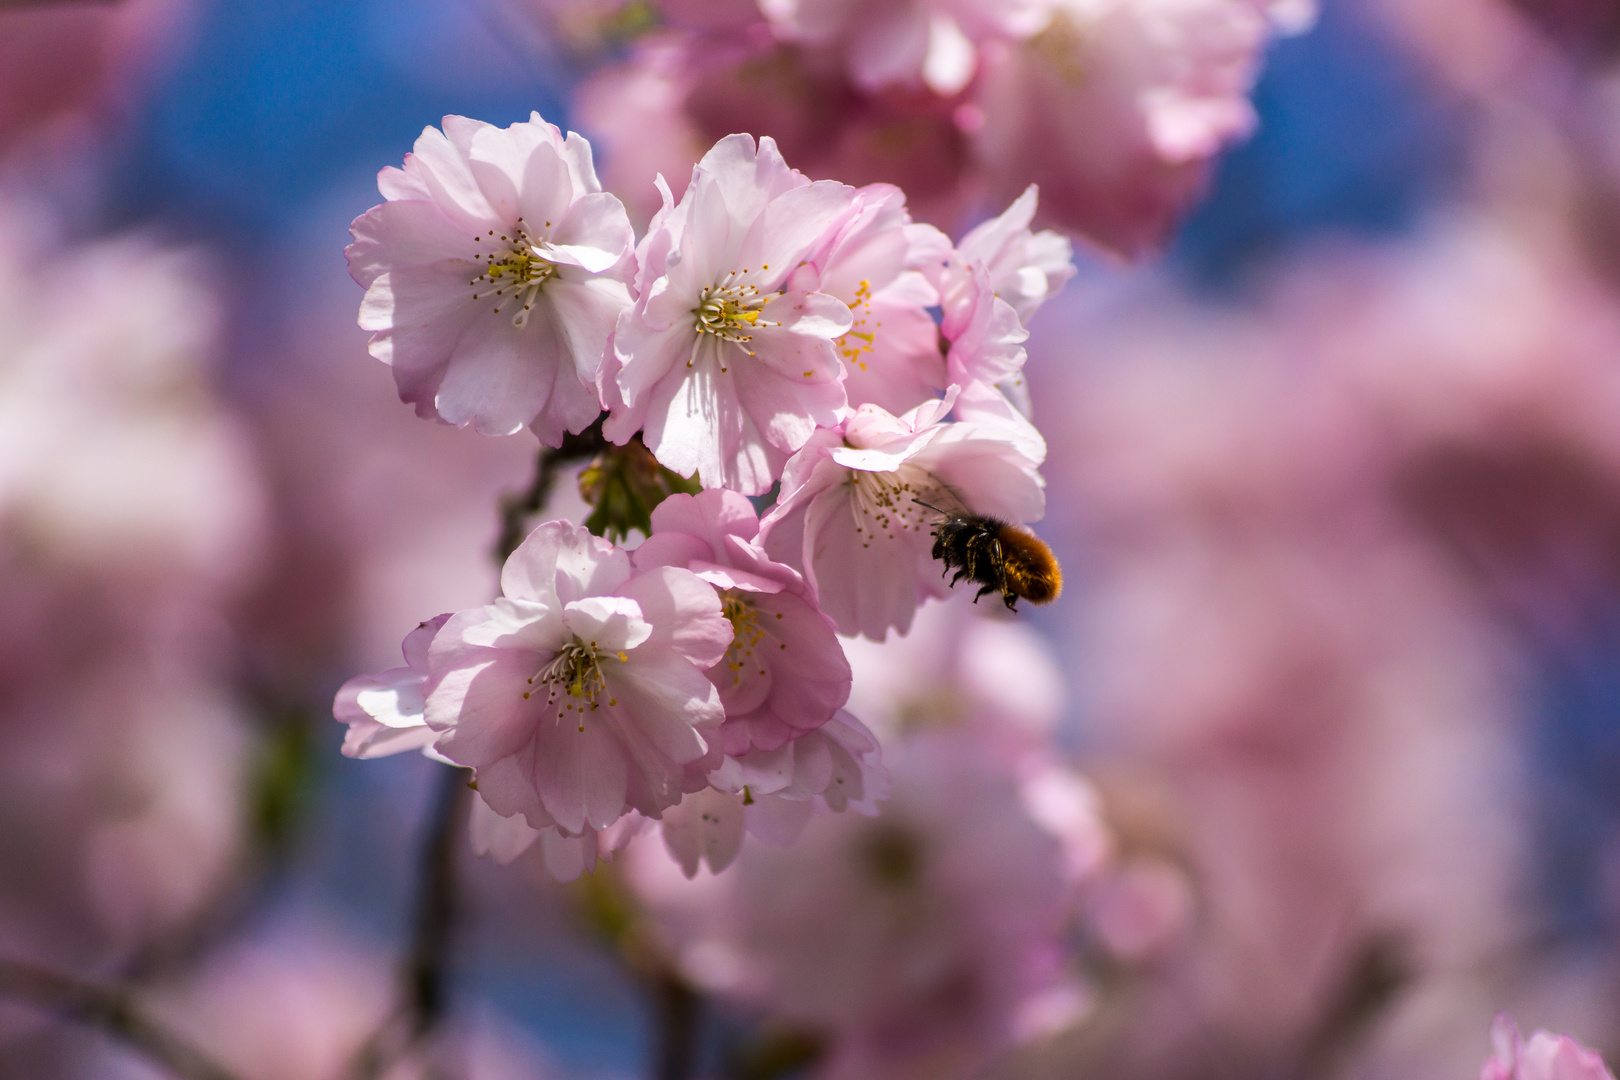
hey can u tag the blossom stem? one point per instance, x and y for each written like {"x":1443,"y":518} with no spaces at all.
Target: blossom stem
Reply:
{"x":111,"y":1010}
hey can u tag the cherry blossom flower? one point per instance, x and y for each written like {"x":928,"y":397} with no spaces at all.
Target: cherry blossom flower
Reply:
{"x":580,"y":693}
{"x":726,"y":364}
{"x":1543,"y":1056}
{"x":985,"y":356}
{"x":1026,"y":269}
{"x":566,"y":857}
{"x":493,"y":276}
{"x":384,"y":711}
{"x":784,"y":673}
{"x":906,"y":41}
{"x":771,"y":794}
{"x":916,"y":936}
{"x":1117,"y":108}
{"x":854,"y":510}
{"x":876,"y":265}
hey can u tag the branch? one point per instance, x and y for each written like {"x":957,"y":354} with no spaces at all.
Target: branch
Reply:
{"x":424,"y":978}
{"x":678,"y":1008}
{"x":112,"y":1011}
{"x":518,"y":507}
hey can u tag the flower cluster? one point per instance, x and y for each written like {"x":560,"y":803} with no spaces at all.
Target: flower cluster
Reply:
{"x":768,"y":333}
{"x":1116,"y":109}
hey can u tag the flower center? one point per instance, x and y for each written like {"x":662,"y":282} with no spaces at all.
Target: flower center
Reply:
{"x":886,"y":503}
{"x":573,"y":680}
{"x":746,"y":634}
{"x":731,"y":311}
{"x":513,"y":272}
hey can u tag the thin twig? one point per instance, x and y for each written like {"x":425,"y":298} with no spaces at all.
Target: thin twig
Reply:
{"x":112,"y":1011}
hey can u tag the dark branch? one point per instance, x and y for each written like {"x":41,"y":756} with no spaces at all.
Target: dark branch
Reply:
{"x":110,"y":1010}
{"x":518,"y":507}
{"x":425,"y":975}
{"x":678,"y":1008}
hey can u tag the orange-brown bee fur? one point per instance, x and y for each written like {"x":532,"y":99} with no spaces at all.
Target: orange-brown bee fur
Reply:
{"x":998,"y":556}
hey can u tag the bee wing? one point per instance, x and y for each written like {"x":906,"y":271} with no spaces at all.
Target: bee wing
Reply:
{"x":944,"y":501}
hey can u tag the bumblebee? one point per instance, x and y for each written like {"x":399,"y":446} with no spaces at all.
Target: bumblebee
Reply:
{"x":998,"y":556}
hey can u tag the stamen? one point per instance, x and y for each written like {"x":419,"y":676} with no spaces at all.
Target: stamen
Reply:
{"x":516,"y":274}
{"x":857,"y":341}
{"x":730,"y":311}
{"x":746,"y":634}
{"x":885,"y":503}
{"x":573,"y":677}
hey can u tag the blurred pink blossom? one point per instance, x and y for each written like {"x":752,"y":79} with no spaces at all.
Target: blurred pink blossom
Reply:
{"x":907,"y":41}
{"x":62,"y":62}
{"x":131,"y":514}
{"x":919,"y":940}
{"x":1118,"y":108}
{"x":1543,"y":1056}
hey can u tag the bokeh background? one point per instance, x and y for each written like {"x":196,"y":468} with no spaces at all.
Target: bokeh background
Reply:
{"x":1334,"y":474}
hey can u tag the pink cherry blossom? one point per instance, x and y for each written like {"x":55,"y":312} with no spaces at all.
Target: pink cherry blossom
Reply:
{"x":1543,"y":1056}
{"x":384,"y":711}
{"x":1118,"y":108}
{"x":726,"y":363}
{"x":566,"y":857}
{"x":1026,"y":269}
{"x":784,"y":673}
{"x":876,"y":265}
{"x":914,"y":938}
{"x":985,"y":355}
{"x":907,"y":41}
{"x":852,"y":508}
{"x":580,"y":693}
{"x":771,"y":794}
{"x":960,"y":663}
{"x":493,"y":276}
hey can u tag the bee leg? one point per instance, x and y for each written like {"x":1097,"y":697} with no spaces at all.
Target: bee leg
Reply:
{"x":1010,"y":600}
{"x":982,"y":592}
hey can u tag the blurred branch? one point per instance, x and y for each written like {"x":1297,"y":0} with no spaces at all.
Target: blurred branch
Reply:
{"x":678,"y":1007}
{"x":110,"y":1010}
{"x":609,"y":912}
{"x":425,"y":974}
{"x":1372,"y":982}
{"x":518,"y":507}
